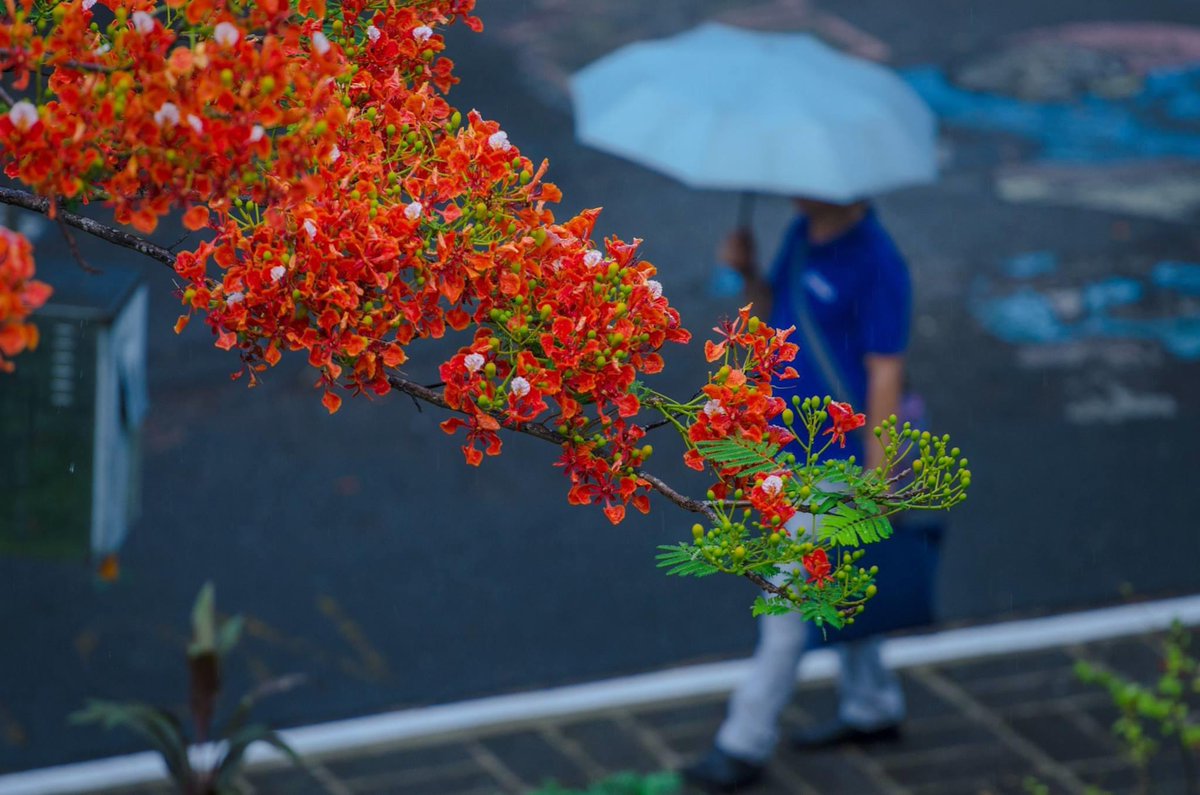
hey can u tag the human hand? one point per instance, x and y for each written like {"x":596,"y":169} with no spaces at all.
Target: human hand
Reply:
{"x":738,"y":252}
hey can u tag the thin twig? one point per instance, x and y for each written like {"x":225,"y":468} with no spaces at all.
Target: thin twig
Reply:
{"x":687,"y":503}
{"x":768,"y":586}
{"x":652,"y":426}
{"x":179,"y":242}
{"x":7,"y":97}
{"x":418,"y":392}
{"x":29,"y":201}
{"x":81,"y":66}
{"x":428,"y":395}
{"x":73,"y":245}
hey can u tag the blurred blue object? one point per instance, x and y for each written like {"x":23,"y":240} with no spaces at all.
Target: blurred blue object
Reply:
{"x":1091,"y":129}
{"x":1024,"y":317}
{"x":730,"y":109}
{"x":1182,"y":277}
{"x":1031,"y":264}
{"x":1114,"y":291}
{"x":725,"y":282}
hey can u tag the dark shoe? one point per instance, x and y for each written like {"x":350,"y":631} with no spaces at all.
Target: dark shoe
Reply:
{"x":835,"y":732}
{"x":720,"y":772}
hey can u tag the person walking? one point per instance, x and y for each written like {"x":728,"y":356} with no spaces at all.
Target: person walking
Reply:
{"x":841,"y":281}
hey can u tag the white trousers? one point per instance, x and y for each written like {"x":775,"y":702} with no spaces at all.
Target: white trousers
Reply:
{"x":869,"y":694}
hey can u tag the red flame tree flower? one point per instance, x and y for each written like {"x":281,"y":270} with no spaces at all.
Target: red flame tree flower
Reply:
{"x":351,"y":212}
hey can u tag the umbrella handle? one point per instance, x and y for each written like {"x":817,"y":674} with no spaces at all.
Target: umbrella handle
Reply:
{"x":745,"y":209}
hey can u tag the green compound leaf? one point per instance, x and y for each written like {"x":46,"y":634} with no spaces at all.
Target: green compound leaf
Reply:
{"x":771,"y":607}
{"x":767,"y":570}
{"x":683,"y":561}
{"x":850,"y":526}
{"x":745,"y":455}
{"x":821,"y":614}
{"x":824,"y":502}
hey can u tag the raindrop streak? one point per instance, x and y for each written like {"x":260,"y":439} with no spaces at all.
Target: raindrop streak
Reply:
{"x":71,"y":468}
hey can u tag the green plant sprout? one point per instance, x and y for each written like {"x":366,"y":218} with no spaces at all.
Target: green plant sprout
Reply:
{"x":1154,"y":718}
{"x":212,"y":639}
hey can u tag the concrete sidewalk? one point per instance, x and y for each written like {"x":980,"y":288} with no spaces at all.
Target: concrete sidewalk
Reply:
{"x":976,"y":727}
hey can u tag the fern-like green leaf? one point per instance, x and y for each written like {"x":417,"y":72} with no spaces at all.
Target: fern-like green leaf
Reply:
{"x":681,"y":561}
{"x":697,"y":568}
{"x":851,"y":527}
{"x":767,"y":570}
{"x":745,"y":455}
{"x":771,"y":607}
{"x":821,"y":614}
{"x":824,"y":502}
{"x":672,"y":555}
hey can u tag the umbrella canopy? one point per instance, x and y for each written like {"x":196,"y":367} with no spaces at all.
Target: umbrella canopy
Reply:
{"x":731,"y":109}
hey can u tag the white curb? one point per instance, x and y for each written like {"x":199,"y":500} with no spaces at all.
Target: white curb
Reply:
{"x":660,"y":686}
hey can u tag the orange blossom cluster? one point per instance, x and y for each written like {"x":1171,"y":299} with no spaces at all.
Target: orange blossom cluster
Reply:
{"x":20,"y":294}
{"x":352,"y":211}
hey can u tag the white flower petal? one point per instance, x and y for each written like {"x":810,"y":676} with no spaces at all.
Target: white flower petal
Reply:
{"x":320,"y":43}
{"x":235,"y":298}
{"x":373,"y":33}
{"x":277,"y":273}
{"x":655,"y":288}
{"x":413,"y":211}
{"x":422,"y":33}
{"x":519,"y":387}
{"x":167,"y":115}
{"x":712,"y":408}
{"x":473,"y":362}
{"x":334,"y":154}
{"x":593,"y":258}
{"x":256,"y":133}
{"x":499,"y":140}
{"x":87,"y":4}
{"x":310,"y":228}
{"x":142,"y":22}
{"x":23,"y":115}
{"x":226,"y":34}
{"x":772,"y":484}
{"x":195,"y":123}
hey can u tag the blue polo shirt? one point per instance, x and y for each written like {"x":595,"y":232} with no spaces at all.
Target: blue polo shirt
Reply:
{"x":859,"y":298}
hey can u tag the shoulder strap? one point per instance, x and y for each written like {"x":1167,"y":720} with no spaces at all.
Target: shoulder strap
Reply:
{"x":813,"y":339}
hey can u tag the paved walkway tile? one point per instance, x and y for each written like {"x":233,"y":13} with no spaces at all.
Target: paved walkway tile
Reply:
{"x":975,"y":728}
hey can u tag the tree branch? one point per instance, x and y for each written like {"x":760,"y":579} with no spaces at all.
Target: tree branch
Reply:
{"x":81,"y":66}
{"x":768,"y":586}
{"x":38,"y":204}
{"x":71,"y":244}
{"x":684,"y":502}
{"x":29,"y":201}
{"x":545,"y":434}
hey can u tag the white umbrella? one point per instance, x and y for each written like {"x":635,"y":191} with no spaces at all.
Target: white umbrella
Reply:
{"x":732,"y":109}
